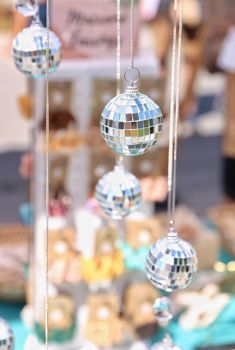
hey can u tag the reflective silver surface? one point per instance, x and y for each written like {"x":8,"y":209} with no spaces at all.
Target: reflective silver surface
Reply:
{"x":162,"y":311}
{"x":171,"y":264}
{"x":118,"y":193}
{"x":30,"y":51}
{"x":166,"y":344}
{"x":131,"y":123}
{"x":6,"y":336}
{"x":27,"y":7}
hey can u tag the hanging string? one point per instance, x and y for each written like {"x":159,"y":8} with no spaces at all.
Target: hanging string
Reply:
{"x":177,"y":96}
{"x":46,"y":303}
{"x":132,"y":27}
{"x":119,"y":159}
{"x":174,"y":111}
{"x":118,"y":47}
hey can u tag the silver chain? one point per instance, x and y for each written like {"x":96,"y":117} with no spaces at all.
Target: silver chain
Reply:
{"x":47,"y":174}
{"x":132,"y":31}
{"x":118,"y":47}
{"x":177,"y":96}
{"x":119,"y":159}
{"x":174,"y":109}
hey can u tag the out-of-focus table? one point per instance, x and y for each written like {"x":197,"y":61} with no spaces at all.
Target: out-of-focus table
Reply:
{"x":221,"y":332}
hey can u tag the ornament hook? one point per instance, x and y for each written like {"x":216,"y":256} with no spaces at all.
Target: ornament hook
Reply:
{"x":132,"y":75}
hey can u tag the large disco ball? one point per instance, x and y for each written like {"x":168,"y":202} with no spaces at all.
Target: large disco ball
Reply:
{"x":171,"y":264}
{"x":131,"y":123}
{"x":6,"y":336}
{"x":118,"y":193}
{"x":30,"y":51}
{"x":27,"y":7}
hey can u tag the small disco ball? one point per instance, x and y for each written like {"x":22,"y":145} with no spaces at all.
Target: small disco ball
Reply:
{"x":30,"y":51}
{"x":171,"y":264}
{"x":27,"y":7}
{"x":162,"y":311}
{"x":131,"y":123}
{"x":118,"y":193}
{"x":166,"y":344}
{"x":6,"y":336}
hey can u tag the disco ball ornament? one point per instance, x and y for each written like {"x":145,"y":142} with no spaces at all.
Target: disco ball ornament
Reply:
{"x":171,"y":264}
{"x":166,"y":344}
{"x":6,"y":336}
{"x":118,"y":193}
{"x":30,"y":51}
{"x":162,"y":311}
{"x":131,"y":123}
{"x":27,"y":7}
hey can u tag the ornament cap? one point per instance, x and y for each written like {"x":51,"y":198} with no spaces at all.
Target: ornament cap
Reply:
{"x":172,"y":234}
{"x":131,"y":90}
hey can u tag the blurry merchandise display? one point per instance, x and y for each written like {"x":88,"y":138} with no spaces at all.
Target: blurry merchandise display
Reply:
{"x":223,"y":217}
{"x":62,"y":320}
{"x":14,"y":252}
{"x":115,"y":274}
{"x":30,"y":47}
{"x":103,"y":313}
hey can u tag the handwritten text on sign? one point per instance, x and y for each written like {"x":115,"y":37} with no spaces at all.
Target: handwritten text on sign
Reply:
{"x":89,"y":26}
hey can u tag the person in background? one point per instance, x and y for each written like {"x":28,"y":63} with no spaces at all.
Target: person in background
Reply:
{"x":192,"y":58}
{"x":227,"y":64}
{"x":219,"y":55}
{"x":193,"y":45}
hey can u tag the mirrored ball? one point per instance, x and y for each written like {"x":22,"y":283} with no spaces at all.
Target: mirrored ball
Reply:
{"x":131,"y":123}
{"x":166,"y":344}
{"x":118,"y":193}
{"x":162,"y":311}
{"x":30,"y":51}
{"x":6,"y":336}
{"x":27,"y":7}
{"x":171,"y":264}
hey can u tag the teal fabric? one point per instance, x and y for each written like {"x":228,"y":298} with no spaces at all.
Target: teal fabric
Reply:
{"x":11,"y":313}
{"x":134,"y":259}
{"x":225,"y":257}
{"x":220,"y":332}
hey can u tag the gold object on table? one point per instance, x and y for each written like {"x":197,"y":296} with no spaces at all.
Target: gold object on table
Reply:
{"x":103,"y":268}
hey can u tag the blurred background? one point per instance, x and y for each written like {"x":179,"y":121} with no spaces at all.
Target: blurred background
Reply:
{"x":95,"y":265}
